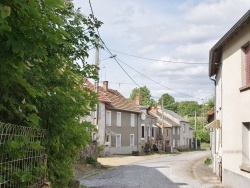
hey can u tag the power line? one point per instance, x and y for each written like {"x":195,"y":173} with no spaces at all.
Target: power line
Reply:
{"x":110,"y":51}
{"x":156,"y":81}
{"x":151,"y":59}
{"x":141,"y":58}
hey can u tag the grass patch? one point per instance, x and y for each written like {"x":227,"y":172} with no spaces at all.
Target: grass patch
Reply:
{"x":205,"y":145}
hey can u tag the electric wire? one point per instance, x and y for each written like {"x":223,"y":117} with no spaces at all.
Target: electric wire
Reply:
{"x":151,"y":59}
{"x":155,"y":81}
{"x":116,"y":59}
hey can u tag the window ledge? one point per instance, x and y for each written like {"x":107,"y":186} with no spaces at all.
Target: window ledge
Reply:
{"x":245,"y":168}
{"x":245,"y":88}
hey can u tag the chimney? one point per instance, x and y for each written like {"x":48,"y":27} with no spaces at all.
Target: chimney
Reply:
{"x":137,"y":99}
{"x":105,"y":85}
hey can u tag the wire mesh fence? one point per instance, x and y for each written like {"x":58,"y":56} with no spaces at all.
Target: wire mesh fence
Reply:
{"x":22,"y":157}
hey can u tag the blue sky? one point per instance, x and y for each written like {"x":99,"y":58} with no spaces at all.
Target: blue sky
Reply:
{"x":168,"y":30}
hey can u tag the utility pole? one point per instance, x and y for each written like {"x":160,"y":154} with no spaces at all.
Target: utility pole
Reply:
{"x":96,"y":82}
{"x":195,"y":121}
{"x":162,"y":117}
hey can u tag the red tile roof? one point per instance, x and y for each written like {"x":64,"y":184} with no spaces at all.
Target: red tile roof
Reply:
{"x":101,"y":95}
{"x":119,"y":102}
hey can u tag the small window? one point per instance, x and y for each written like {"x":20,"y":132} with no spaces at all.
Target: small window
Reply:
{"x":132,"y":139}
{"x":132,"y":120}
{"x":173,"y":130}
{"x":153,"y":132}
{"x":178,"y":130}
{"x":184,"y":126}
{"x":178,"y":143}
{"x":108,"y":118}
{"x":142,"y":131}
{"x":118,"y":140}
{"x":173,"y":143}
{"x":118,"y":119}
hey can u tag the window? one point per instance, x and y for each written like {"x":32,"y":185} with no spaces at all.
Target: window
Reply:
{"x":118,"y":119}
{"x":178,"y":143}
{"x":153,"y":132}
{"x":142,"y":131}
{"x":246,"y":147}
{"x":118,"y":140}
{"x":173,"y":143}
{"x":132,"y":139}
{"x":246,"y":65}
{"x":108,"y":118}
{"x":184,"y":127}
{"x":132,"y":120}
{"x":173,"y":130}
{"x":178,"y":130}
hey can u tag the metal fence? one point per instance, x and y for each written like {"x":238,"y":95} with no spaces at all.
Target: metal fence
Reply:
{"x":22,"y":158}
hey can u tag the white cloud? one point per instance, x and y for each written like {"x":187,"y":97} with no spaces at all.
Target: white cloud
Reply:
{"x":182,"y":31}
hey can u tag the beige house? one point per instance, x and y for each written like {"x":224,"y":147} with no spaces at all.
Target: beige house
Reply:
{"x":229,"y":62}
{"x":176,"y":132}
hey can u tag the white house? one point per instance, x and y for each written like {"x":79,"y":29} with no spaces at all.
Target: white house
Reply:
{"x":229,"y":62}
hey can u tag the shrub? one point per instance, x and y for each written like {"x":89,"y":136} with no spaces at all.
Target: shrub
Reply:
{"x":91,"y":159}
{"x":208,"y":161}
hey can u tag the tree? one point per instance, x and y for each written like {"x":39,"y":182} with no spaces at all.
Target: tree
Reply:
{"x":188,"y":108}
{"x":40,"y":81}
{"x":168,"y":102}
{"x":145,"y":96}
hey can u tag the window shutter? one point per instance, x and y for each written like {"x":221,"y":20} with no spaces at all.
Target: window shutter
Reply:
{"x":247,"y":65}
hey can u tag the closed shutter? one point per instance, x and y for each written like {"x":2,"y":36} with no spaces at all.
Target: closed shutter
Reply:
{"x":247,"y":53}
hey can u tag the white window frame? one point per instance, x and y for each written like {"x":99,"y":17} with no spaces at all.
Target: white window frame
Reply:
{"x":173,"y":130}
{"x":132,"y":139}
{"x":108,"y":118}
{"x":118,"y":142}
{"x":132,"y":120}
{"x":119,"y":119}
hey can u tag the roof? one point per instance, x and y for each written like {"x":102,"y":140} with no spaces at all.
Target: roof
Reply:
{"x":176,"y":116}
{"x":119,"y":102}
{"x":215,"y":52}
{"x":166,"y":121}
{"x":101,"y":95}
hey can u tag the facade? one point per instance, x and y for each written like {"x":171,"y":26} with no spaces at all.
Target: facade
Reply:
{"x":164,"y":137}
{"x":148,"y":129}
{"x":229,"y":62}
{"x":183,"y":133}
{"x":121,"y":123}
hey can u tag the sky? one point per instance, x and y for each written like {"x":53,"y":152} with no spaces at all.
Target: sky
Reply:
{"x":173,"y":36}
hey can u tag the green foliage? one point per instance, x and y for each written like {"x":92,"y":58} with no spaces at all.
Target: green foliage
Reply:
{"x":168,"y":102}
{"x":208,"y":161}
{"x":40,"y":81}
{"x":188,"y":108}
{"x":91,"y":159}
{"x":145,"y":96}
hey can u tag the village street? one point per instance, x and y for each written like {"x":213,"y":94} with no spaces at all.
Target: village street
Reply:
{"x":181,"y":170}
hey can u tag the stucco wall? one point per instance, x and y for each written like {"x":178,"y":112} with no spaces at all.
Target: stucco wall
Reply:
{"x":234,"y":104}
{"x":125,"y":130}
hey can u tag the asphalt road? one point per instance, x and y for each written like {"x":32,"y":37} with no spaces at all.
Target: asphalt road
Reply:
{"x":173,"y":171}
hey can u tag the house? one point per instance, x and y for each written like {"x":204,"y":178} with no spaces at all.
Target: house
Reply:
{"x":121,"y":123}
{"x":229,"y":62}
{"x":148,"y":128}
{"x":176,"y":132}
{"x":183,"y":131}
